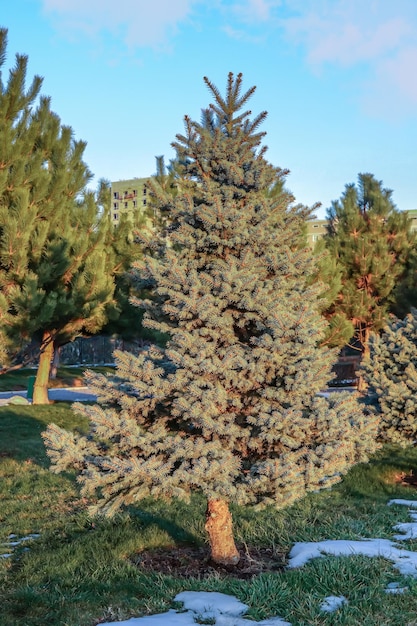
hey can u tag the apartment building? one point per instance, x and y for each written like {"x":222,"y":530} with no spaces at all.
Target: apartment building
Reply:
{"x":128,"y":197}
{"x":316,"y":229}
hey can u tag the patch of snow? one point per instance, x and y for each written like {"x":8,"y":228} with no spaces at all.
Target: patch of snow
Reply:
{"x":404,"y":561}
{"x":395,"y":588}
{"x":201,"y":602}
{"x":202,"y":605}
{"x":411,"y":503}
{"x":12,"y":544}
{"x":332,"y":603}
{"x":408,"y":530}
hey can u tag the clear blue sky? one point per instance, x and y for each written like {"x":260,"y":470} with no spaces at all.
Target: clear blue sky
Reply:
{"x":337,"y":77}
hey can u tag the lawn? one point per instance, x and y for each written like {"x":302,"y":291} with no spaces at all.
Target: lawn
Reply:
{"x":81,"y":571}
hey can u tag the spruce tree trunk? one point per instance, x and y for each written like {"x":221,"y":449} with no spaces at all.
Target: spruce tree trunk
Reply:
{"x":219,"y":527}
{"x":40,"y":390}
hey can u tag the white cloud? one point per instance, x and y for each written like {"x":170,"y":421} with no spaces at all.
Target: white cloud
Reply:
{"x":378,"y":35}
{"x":346,"y":32}
{"x":148,"y":23}
{"x":139,"y":22}
{"x":255,"y":10}
{"x":242,"y":35}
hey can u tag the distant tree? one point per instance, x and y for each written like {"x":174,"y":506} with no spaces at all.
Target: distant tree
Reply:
{"x":371,"y":242}
{"x":164,"y":186}
{"x":391,"y":376}
{"x":167,"y":177}
{"x":55,"y":280}
{"x":405,"y":292}
{"x":123,"y":249}
{"x":339,"y":330}
{"x":126,"y":242}
{"x":231,"y":406}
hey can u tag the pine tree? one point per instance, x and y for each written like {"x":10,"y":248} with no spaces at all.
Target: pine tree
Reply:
{"x":55,"y":281}
{"x":391,"y":375}
{"x":405,"y":293}
{"x":339,"y":330}
{"x":125,"y":244}
{"x":371,"y":241}
{"x":231,"y":406}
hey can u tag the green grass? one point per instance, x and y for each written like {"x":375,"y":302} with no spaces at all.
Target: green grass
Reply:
{"x":79,"y":571}
{"x":17,"y":380}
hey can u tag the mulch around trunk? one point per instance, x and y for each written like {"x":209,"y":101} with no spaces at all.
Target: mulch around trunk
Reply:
{"x":194,"y":562}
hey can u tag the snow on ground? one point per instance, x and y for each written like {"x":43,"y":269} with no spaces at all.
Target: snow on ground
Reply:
{"x":395,"y":588}
{"x":13,"y":541}
{"x":332,"y":603}
{"x":226,"y":610}
{"x":202,"y":606}
{"x":405,"y":561}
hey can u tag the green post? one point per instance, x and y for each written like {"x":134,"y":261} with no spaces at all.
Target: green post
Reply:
{"x":31,"y":384}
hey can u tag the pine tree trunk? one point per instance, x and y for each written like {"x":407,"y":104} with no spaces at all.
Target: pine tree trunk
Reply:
{"x":219,"y":527}
{"x":365,"y":333}
{"x":366,"y":349}
{"x":55,"y":362}
{"x":40,"y":390}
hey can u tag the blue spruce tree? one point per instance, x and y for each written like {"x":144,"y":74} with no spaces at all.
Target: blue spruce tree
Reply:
{"x":230,"y":406}
{"x":391,"y":375}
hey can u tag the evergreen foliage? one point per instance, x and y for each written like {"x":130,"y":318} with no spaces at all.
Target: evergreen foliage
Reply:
{"x":123,"y":249}
{"x":391,"y":375}
{"x":371,"y":241}
{"x":230,"y":406}
{"x":329,"y":272}
{"x":126,"y":242}
{"x":55,"y":278}
{"x":405,"y":292}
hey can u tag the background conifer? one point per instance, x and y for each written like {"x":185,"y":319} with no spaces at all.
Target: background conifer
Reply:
{"x":55,"y":278}
{"x":230,"y":407}
{"x":371,"y":241}
{"x":391,"y":375}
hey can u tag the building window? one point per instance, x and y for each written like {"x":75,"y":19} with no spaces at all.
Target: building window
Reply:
{"x":116,"y":195}
{"x":115,"y":205}
{"x":115,"y":217}
{"x":144,"y":202}
{"x":144,"y":190}
{"x":135,"y":193}
{"x":135,"y":204}
{"x":126,"y":204}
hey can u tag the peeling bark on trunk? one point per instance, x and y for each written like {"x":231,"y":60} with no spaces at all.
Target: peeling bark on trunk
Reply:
{"x":219,"y":527}
{"x":40,"y":390}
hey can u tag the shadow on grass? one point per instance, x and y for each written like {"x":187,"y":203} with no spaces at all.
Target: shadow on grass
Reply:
{"x":381,"y":477}
{"x":21,"y":428}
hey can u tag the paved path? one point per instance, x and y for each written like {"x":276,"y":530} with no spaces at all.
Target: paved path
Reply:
{"x":67,"y":394}
{"x":83,"y":394}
